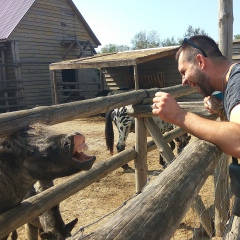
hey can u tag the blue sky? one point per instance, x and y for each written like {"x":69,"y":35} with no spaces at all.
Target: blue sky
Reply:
{"x":117,"y":22}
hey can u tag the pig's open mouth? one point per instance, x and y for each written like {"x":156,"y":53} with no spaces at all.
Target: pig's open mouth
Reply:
{"x":81,"y":157}
{"x":84,"y":161}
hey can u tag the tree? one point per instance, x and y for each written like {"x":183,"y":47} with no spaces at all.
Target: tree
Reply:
{"x":237,"y":36}
{"x":151,"y":39}
{"x":169,"y":42}
{"x":110,"y":48}
{"x":191,"y":31}
{"x":145,"y":39}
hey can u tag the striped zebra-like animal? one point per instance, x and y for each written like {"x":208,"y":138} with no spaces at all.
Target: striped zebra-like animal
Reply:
{"x":126,"y":124}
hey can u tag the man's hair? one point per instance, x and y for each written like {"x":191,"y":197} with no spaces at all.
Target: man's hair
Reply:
{"x":207,"y":44}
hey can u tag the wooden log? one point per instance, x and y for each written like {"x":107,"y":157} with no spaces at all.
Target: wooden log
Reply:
{"x":54,"y":87}
{"x":13,"y":121}
{"x":141,"y":158}
{"x":146,"y":110}
{"x":162,"y":145}
{"x":225,"y":23}
{"x":4,"y":77}
{"x":203,"y":215}
{"x":68,"y":50}
{"x":29,"y":208}
{"x":157,"y":212}
{"x":70,"y":90}
{"x":175,"y":91}
{"x":233,"y":229}
{"x":136,"y":80}
{"x":221,"y":182}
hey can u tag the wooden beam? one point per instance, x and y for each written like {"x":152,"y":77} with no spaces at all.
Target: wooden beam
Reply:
{"x":158,"y":138}
{"x":13,"y":121}
{"x":225,"y":23}
{"x":158,"y":210}
{"x":139,"y":110}
{"x":54,"y":87}
{"x":68,"y":50}
{"x":136,"y":82}
{"x":140,"y":161}
{"x":222,"y":203}
{"x":203,"y":215}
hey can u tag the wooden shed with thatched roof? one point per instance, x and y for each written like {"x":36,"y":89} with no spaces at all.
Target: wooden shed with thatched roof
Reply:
{"x":144,"y":69}
{"x":33,"y":34}
{"x":154,"y":67}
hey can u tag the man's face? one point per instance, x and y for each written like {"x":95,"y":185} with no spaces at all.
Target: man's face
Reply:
{"x":194,"y":76}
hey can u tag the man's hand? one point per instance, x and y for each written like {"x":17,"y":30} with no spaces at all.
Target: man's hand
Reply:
{"x":213,"y":104}
{"x":167,"y":108}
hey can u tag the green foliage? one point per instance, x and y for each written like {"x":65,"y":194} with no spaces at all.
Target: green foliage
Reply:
{"x":237,"y":36}
{"x":169,"y":42}
{"x":191,"y":31}
{"x":151,"y":39}
{"x":110,"y":48}
{"x":145,"y":39}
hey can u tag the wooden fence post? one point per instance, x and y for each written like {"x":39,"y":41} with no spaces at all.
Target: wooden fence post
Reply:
{"x":221,"y":182}
{"x":54,"y":87}
{"x":141,"y":159}
{"x":163,"y":147}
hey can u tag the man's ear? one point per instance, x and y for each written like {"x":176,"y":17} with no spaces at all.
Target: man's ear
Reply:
{"x":200,"y":60}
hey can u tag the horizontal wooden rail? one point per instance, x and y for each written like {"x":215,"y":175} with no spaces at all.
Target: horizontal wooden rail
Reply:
{"x":29,"y":208}
{"x":10,"y":89}
{"x":11,"y":98}
{"x":157,"y":212}
{"x":13,"y":121}
{"x":70,"y":90}
{"x":139,"y":110}
{"x":12,"y":106}
{"x":75,"y":83}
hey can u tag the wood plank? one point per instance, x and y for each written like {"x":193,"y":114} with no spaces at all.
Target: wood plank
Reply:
{"x":158,"y":210}
{"x":162,"y":145}
{"x":10,"y":122}
{"x":140,"y":161}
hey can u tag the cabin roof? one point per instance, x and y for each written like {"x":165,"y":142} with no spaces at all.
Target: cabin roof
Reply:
{"x":12,"y":12}
{"x":126,"y":58}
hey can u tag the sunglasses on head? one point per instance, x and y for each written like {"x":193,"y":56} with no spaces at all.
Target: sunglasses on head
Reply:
{"x":194,"y":45}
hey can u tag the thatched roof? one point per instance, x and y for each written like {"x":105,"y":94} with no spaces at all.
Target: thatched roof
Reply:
{"x":127,"y":58}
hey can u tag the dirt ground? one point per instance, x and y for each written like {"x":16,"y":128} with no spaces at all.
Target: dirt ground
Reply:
{"x":108,"y":194}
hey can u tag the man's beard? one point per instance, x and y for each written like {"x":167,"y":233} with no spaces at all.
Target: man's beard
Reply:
{"x":203,"y":83}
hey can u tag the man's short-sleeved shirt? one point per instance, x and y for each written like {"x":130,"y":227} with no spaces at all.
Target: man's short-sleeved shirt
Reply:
{"x":232,"y":91}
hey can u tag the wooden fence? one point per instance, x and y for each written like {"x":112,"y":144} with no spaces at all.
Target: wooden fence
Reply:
{"x":162,"y":198}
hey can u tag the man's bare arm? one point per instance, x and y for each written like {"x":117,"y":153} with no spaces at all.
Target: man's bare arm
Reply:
{"x":226,"y":135}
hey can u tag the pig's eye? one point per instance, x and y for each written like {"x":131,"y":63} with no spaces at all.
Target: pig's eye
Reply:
{"x":66,"y":144}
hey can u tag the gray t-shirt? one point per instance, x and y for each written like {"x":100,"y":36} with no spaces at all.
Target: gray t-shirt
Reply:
{"x":232,"y":91}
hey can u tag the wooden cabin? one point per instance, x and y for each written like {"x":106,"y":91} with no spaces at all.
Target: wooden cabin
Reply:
{"x":33,"y":34}
{"x":155,"y":67}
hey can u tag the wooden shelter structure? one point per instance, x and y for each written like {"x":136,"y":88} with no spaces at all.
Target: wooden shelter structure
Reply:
{"x":137,"y":69}
{"x":145,"y":68}
{"x":33,"y":34}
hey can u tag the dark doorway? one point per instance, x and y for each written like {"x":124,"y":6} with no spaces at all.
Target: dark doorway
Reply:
{"x":69,"y":78}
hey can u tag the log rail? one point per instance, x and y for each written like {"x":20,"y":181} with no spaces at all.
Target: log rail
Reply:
{"x":141,"y":101}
